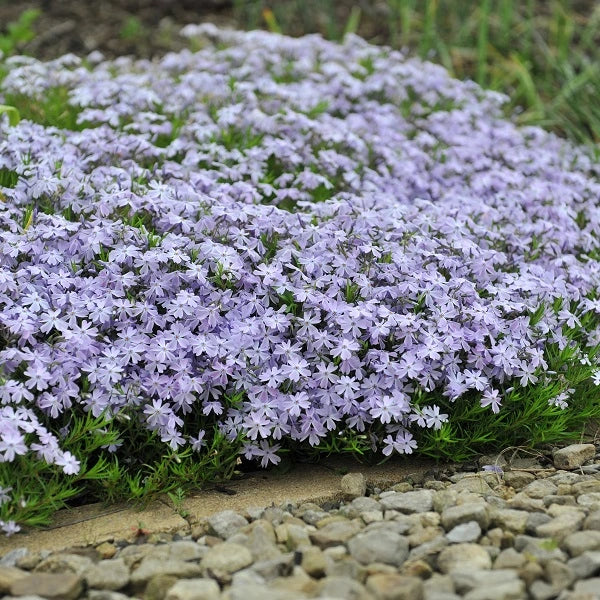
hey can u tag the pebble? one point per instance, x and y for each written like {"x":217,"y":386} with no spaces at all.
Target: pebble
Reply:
{"x":522,"y":534}
{"x":354,"y":485}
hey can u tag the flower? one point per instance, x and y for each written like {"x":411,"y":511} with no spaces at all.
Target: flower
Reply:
{"x":491,"y":397}
{"x":275,"y":271}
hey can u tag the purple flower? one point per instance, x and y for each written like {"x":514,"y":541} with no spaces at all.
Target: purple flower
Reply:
{"x":277,"y":271}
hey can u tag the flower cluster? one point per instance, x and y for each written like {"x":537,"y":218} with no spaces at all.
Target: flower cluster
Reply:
{"x":287,"y":237}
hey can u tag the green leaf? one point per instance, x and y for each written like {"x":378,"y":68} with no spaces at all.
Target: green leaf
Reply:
{"x":13,"y":114}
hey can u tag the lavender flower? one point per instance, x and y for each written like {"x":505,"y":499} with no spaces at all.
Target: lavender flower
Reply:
{"x":282,"y":255}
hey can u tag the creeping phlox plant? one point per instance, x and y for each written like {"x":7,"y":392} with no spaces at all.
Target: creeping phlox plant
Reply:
{"x":275,"y":244}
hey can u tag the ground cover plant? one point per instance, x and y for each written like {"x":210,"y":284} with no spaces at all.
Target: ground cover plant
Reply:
{"x":273,"y":246}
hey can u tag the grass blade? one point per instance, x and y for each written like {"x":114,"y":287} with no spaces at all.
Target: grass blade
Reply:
{"x":482,"y":41}
{"x":13,"y":114}
{"x":353,"y":21}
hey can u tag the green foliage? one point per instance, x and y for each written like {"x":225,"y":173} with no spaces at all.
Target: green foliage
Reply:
{"x":51,"y":110}
{"x":18,"y":33}
{"x":131,"y":28}
{"x":13,"y":114}
{"x":8,"y":178}
{"x":138,"y":470}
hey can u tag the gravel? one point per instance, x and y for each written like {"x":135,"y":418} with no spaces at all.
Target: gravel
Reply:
{"x":532,"y":532}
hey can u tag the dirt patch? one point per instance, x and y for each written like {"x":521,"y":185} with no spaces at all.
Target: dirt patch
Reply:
{"x":143,"y":28}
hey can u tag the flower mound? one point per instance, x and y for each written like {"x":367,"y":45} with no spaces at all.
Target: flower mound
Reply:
{"x":282,"y":238}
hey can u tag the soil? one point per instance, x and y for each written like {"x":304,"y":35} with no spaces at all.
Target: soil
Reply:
{"x":141,"y":28}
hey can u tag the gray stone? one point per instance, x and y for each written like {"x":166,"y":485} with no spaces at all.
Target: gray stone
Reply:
{"x":466,"y":532}
{"x":247,"y":577}
{"x":530,"y":572}
{"x":558,"y":574}
{"x":586,"y":564}
{"x":443,"y":499}
{"x":565,"y":477}
{"x":261,"y":541}
{"x":334,"y":534}
{"x":476,"y":484}
{"x":489,"y":478}
{"x":364,"y":503}
{"x":392,"y":586}
{"x":385,"y":547}
{"x":401,"y":524}
{"x":540,"y":590}
{"x":133,"y":555}
{"x":297,"y":581}
{"x":428,"y":549}
{"x":107,"y":575}
{"x":455,"y":556}
{"x":592,"y":521}
{"x":589,"y":586}
{"x":8,"y":575}
{"x":54,"y":586}
{"x":226,"y":558}
{"x":409,"y":502}
{"x":522,"y":501}
{"x":274,"y":514}
{"x":224,"y":524}
{"x":421,"y":535}
{"x":354,"y":485}
{"x":540,"y":488}
{"x":518,"y":479}
{"x":11,"y":558}
{"x":183,"y":550}
{"x":438,"y":583}
{"x":586,"y":485}
{"x":372,"y":516}
{"x":64,"y":563}
{"x":194,"y":589}
{"x":312,"y":516}
{"x":274,"y":567}
{"x":463,"y":513}
{"x":466,"y":578}
{"x":347,"y":567}
{"x":510,"y":590}
{"x":510,"y":519}
{"x":540,"y":549}
{"x":260,"y":592}
{"x":157,"y":587}
{"x":573,"y":456}
{"x":104,"y":595}
{"x":342,"y":587}
{"x":509,"y":558}
{"x":562,"y":500}
{"x":313,"y":561}
{"x":590,"y":500}
{"x":561,"y":526}
{"x":581,"y":541}
{"x":295,"y":535}
{"x":151,"y":567}
{"x":534,"y":520}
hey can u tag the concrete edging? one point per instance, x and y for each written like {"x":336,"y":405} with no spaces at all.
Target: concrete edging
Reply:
{"x":97,"y":523}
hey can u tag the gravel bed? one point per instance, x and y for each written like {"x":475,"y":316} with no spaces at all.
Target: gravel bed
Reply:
{"x":524,"y":530}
